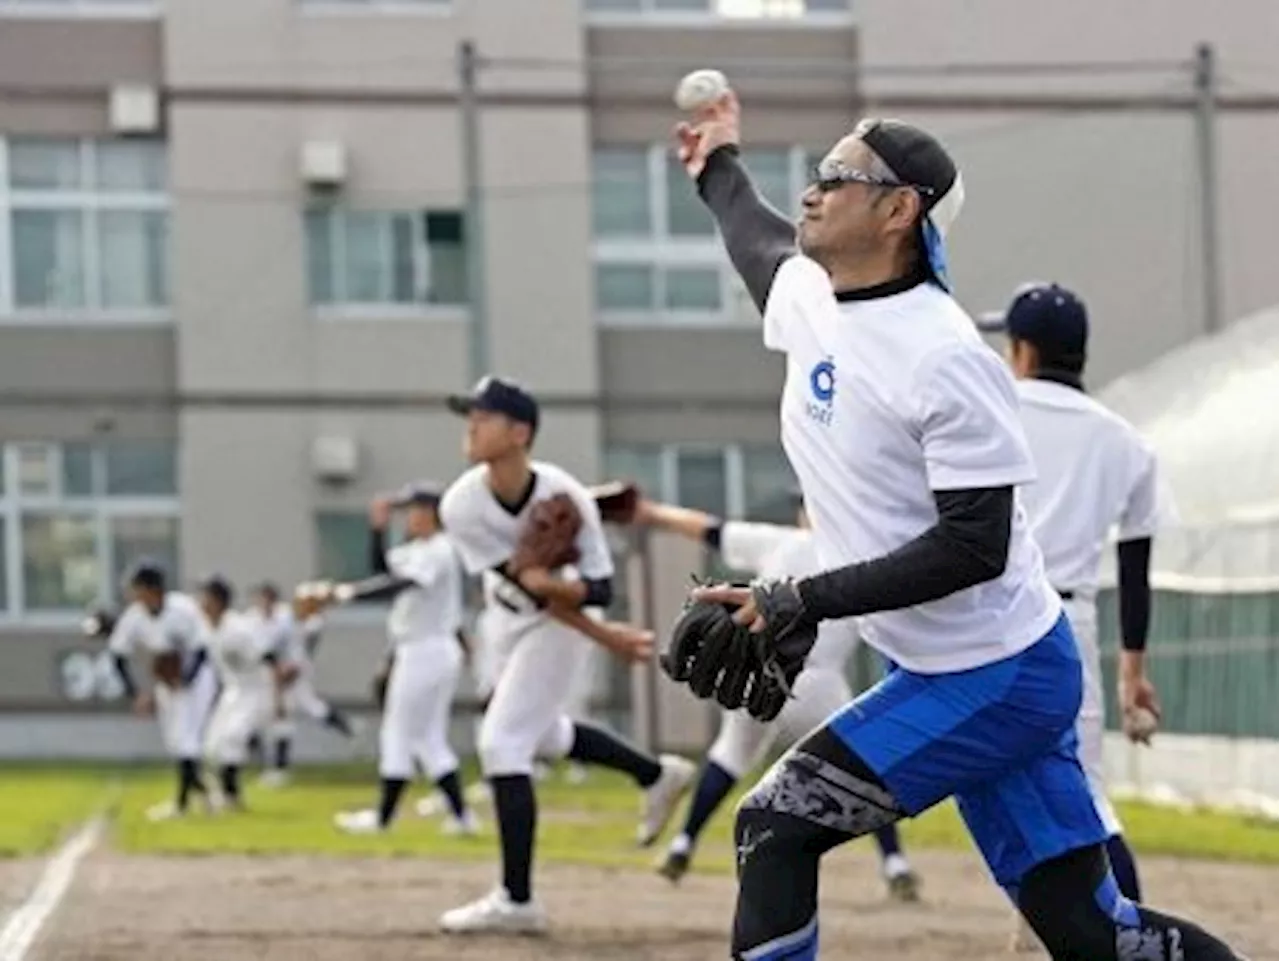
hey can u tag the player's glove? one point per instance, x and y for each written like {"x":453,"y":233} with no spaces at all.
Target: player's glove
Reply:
{"x":166,"y":667}
{"x":617,"y":501}
{"x":549,"y":537}
{"x":717,"y":657}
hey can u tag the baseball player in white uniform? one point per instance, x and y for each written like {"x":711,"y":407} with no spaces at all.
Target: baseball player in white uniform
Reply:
{"x":483,"y":513}
{"x":424,"y":576}
{"x":165,"y":624}
{"x":249,"y":665}
{"x":769,"y":550}
{"x":297,"y":640}
{"x":1094,"y":473}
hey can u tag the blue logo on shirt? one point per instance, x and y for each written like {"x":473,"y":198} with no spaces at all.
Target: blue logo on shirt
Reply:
{"x":822,"y":382}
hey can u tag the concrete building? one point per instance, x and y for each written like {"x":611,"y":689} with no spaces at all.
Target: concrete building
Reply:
{"x":233,"y":281}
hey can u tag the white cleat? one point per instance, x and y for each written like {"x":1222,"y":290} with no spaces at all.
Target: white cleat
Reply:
{"x":479,"y":793}
{"x":431,"y":806}
{"x":358,"y":822}
{"x":164,"y":811}
{"x":274,"y":778}
{"x":495,"y":913}
{"x":661,"y":798}
{"x":466,"y":826}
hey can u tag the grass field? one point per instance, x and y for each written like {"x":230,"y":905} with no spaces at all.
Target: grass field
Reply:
{"x":588,"y":824}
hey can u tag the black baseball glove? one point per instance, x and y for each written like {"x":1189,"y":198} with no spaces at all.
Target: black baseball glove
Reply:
{"x":717,"y":657}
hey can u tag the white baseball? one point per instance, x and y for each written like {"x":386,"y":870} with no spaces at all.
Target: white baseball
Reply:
{"x":1141,"y":723}
{"x":700,"y":88}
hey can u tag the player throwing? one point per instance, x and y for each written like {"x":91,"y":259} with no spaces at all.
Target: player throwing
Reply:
{"x":1093,"y":472}
{"x":902,"y":427}
{"x":170,"y":628}
{"x":424,"y":576}
{"x":769,"y":550}
{"x":537,"y":610}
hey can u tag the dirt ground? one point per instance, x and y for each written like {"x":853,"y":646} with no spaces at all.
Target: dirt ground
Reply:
{"x":16,"y":880}
{"x":298,"y":909}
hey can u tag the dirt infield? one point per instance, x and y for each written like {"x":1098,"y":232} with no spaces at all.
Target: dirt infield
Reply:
{"x":304,"y":909}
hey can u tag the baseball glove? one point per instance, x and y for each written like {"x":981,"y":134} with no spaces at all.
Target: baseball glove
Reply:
{"x":617,"y":501}
{"x":549,"y":538}
{"x":717,"y":657}
{"x":167,"y":668}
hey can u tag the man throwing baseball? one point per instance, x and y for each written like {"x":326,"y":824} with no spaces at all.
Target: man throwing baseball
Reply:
{"x":424,"y":576}
{"x":769,"y":550}
{"x":902,"y":427}
{"x":537,"y":532}
{"x":1093,"y":472}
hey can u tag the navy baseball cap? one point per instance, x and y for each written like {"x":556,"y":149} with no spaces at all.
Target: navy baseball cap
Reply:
{"x":419,"y":494}
{"x":498,"y":396}
{"x":919,"y":160}
{"x":219,"y":588}
{"x":147,"y":572}
{"x":1050,"y":317}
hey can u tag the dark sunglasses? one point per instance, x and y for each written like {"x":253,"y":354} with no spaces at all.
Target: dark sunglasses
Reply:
{"x":832,"y":175}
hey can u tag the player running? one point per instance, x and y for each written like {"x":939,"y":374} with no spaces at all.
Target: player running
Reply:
{"x":902,"y":427}
{"x":769,"y":550}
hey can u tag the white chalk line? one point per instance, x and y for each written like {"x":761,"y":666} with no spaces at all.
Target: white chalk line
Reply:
{"x":24,"y":924}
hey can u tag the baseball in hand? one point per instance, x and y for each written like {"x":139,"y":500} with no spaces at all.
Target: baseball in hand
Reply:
{"x":1140,"y":724}
{"x":700,"y":89}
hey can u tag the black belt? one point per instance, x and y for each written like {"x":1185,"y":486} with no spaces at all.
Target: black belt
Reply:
{"x":1067,"y":595}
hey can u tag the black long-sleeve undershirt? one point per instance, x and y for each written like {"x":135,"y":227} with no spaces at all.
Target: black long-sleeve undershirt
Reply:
{"x":125,"y":672}
{"x":378,"y":551}
{"x":757,"y":237}
{"x":969,"y":545}
{"x":1134,"y":565}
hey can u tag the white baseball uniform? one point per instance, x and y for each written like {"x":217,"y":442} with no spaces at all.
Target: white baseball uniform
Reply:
{"x":296,"y":643}
{"x":238,"y":647}
{"x":180,"y":626}
{"x":539,"y":658}
{"x":422,"y":628}
{"x":1094,"y":472}
{"x":821,"y":689}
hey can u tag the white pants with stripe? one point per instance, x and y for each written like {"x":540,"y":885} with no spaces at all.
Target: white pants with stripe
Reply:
{"x":183,"y":713}
{"x":241,"y":712}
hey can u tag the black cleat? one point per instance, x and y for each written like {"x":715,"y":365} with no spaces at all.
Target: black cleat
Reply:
{"x":674,"y":866}
{"x":904,"y":887}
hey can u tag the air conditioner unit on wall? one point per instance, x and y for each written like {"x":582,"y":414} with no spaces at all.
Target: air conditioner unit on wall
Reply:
{"x":335,"y":458}
{"x":134,"y":109}
{"x":324,"y":163}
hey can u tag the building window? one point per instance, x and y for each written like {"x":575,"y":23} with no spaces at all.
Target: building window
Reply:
{"x":379,"y":257}
{"x":86,"y":227}
{"x":736,"y":480}
{"x":75,"y":516}
{"x":342,"y":545}
{"x":658,"y":258}
{"x":735,"y":9}
{"x":81,"y":8}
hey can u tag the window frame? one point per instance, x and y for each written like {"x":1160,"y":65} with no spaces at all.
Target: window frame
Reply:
{"x":81,"y":10}
{"x":649,"y":15}
{"x":101,"y":508}
{"x":90,"y":203}
{"x":340,"y":310}
{"x":661,"y":250}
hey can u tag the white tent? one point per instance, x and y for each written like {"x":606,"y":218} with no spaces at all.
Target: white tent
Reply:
{"x":1211,"y":410}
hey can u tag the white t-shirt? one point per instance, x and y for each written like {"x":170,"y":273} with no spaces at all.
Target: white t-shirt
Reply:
{"x":278,"y":628}
{"x":485,"y":532}
{"x":432,"y":608}
{"x":771,"y":550}
{"x":180,"y":626}
{"x":237,"y":647}
{"x":887,"y":400}
{"x":1094,"y":472}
